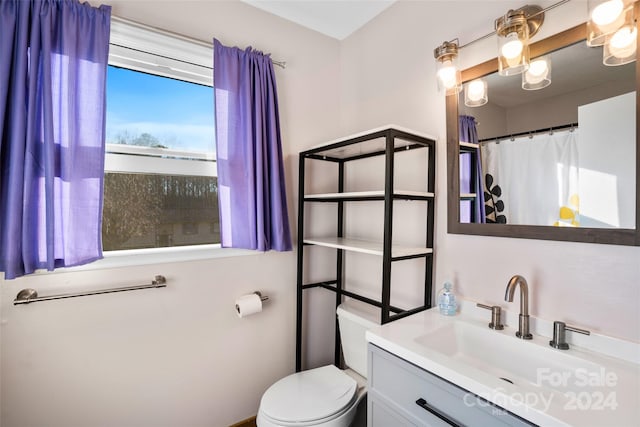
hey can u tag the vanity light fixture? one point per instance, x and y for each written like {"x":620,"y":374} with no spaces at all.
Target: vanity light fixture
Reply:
{"x":605,"y":17}
{"x":514,"y":30}
{"x":620,"y":46}
{"x":447,"y":68}
{"x":612,"y":25}
{"x":475,"y":93}
{"x":538,"y":75}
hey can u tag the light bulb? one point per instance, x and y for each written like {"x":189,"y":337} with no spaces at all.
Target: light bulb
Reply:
{"x":623,"y":42}
{"x":538,"y":76}
{"x":512,"y":48}
{"x":475,"y":90}
{"x":475,"y":93}
{"x":537,"y":71}
{"x":447,"y":75}
{"x":607,"y":12}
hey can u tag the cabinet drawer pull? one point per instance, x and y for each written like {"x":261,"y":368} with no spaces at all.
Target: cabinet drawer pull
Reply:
{"x":424,"y":405}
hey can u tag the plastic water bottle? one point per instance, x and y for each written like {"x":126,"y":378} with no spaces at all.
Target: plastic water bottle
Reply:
{"x":447,"y":300}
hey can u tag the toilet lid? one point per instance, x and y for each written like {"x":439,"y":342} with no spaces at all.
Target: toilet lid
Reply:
{"x":309,"y":395}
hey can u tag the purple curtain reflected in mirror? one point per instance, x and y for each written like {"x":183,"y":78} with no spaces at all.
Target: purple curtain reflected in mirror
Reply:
{"x":471,"y":177}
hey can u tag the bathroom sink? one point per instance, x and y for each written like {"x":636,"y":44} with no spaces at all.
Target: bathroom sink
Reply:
{"x":529,"y":378}
{"x":508,"y":358}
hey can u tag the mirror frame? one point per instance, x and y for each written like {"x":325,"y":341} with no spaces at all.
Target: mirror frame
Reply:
{"x":615,"y":236}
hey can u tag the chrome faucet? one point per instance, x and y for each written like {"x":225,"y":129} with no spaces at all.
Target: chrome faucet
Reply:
{"x":523,"y":322}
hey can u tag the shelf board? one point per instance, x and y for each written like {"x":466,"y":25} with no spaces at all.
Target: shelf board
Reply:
{"x":468,"y":196}
{"x":367,"y":247}
{"x":367,"y":195}
{"x":468,"y":146}
{"x":374,"y":130}
{"x":369,"y":143}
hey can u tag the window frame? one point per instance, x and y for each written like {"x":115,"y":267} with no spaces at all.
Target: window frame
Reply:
{"x":146,"y":49}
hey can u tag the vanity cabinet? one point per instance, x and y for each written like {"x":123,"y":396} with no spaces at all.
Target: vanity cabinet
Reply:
{"x":401,"y":394}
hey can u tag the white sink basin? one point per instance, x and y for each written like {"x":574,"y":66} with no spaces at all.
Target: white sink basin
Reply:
{"x":549,"y":387}
{"x":511,"y":359}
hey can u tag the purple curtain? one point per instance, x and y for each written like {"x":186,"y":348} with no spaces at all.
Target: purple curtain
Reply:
{"x":251,"y":190}
{"x":471,"y":173}
{"x":53,"y":62}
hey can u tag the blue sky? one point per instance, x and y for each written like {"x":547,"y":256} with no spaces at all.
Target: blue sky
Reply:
{"x":179,"y":114}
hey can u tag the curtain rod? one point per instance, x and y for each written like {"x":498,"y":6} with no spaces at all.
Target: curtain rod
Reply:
{"x":281,"y":64}
{"x":530,"y":133}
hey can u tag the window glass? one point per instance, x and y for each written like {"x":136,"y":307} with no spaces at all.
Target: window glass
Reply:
{"x":160,"y":187}
{"x":152,"y":111}
{"x":150,"y":211}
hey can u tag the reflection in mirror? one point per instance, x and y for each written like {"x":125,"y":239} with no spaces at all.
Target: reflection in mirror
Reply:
{"x":594,"y":227}
{"x":563,"y":155}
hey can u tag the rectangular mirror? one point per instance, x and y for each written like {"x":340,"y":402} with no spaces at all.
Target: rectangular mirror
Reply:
{"x":558,"y":163}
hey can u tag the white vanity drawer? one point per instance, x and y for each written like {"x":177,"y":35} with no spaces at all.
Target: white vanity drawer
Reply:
{"x":381,"y":414}
{"x":420,"y":395}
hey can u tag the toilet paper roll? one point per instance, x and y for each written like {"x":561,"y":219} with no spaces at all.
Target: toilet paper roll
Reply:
{"x":247,"y":305}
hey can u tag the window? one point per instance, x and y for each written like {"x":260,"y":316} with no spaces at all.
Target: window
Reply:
{"x":160,"y":186}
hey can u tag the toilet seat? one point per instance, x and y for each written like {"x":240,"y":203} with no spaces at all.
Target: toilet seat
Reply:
{"x":310,"y":397}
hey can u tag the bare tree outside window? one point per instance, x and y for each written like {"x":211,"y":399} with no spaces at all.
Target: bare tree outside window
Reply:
{"x":150,"y":210}
{"x":140,"y":208}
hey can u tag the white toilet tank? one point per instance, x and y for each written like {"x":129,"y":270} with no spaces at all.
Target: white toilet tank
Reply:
{"x":354,"y":318}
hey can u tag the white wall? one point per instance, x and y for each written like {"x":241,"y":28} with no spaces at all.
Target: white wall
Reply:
{"x":491,"y":119}
{"x":560,"y":110}
{"x":607,"y":176}
{"x":389,"y":76}
{"x":177,"y":356}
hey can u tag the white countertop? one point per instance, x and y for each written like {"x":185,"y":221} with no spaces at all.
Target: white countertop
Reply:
{"x":595,"y":389}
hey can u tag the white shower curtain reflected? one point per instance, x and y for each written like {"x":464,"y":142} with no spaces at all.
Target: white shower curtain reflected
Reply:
{"x":538,"y":177}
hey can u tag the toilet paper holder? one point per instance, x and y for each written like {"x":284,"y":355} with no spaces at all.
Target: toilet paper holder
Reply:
{"x":248,"y":307}
{"x":262,"y":298}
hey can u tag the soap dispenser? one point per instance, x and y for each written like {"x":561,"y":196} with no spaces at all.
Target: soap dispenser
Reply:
{"x":447,"y":300}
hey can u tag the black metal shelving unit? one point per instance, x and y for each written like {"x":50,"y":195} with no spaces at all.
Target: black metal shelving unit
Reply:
{"x":386,"y":141}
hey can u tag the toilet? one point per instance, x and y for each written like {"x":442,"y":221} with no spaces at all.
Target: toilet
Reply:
{"x":325,"y":396}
